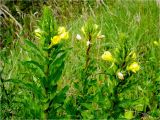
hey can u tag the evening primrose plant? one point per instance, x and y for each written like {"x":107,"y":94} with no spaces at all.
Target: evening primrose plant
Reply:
{"x":115,"y":76}
{"x":44,"y":70}
{"x":121,"y":66}
{"x":85,"y":103}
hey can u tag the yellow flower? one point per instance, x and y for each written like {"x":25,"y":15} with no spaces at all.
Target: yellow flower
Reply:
{"x":55,"y":40}
{"x":61,"y":30}
{"x":107,"y":56}
{"x":134,"y":67}
{"x":64,"y":35}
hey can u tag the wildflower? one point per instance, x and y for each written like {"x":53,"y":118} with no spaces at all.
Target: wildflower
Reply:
{"x":88,"y":43}
{"x":120,"y":75}
{"x":38,"y":32}
{"x":134,"y":67}
{"x":107,"y":56}
{"x":78,"y":37}
{"x":55,"y":40}
{"x":61,"y":30}
{"x":64,"y":35}
{"x":155,"y":43}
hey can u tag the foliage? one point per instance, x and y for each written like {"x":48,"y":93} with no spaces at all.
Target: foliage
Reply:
{"x":100,"y":61}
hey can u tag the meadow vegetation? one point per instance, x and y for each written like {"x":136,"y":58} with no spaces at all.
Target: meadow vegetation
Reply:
{"x":80,"y":59}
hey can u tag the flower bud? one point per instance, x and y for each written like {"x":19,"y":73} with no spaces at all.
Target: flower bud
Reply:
{"x":78,"y":37}
{"x":107,"y":56}
{"x":120,"y":75}
{"x":61,"y":30}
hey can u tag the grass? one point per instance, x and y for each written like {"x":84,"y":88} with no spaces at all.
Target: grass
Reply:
{"x":82,"y":85}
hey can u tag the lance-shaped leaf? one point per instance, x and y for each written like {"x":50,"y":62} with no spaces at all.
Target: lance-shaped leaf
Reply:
{"x":35,"y":49}
{"x":59,"y":97}
{"x":56,"y":68}
{"x":36,"y":64}
{"x":54,"y":77}
{"x":30,"y":86}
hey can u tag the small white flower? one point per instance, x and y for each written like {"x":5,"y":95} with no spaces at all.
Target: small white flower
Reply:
{"x":88,"y":43}
{"x":120,"y":75}
{"x":78,"y":37}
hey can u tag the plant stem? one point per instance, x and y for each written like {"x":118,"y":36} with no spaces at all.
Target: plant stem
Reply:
{"x":45,"y":112}
{"x":87,"y":53}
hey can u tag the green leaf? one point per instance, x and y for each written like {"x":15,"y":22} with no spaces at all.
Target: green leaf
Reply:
{"x":56,"y":52}
{"x":87,"y":114}
{"x":57,"y":60}
{"x":35,"y":64}
{"x":56,"y":68}
{"x":76,"y":85}
{"x":59,"y":97}
{"x":139,"y":107}
{"x":32,"y":45}
{"x":127,"y":86}
{"x":127,"y":103}
{"x":88,"y":106}
{"x":36,"y":91}
{"x":30,"y":86}
{"x":53,"y":89}
{"x":54,"y":77}
{"x":43,"y":81}
{"x":35,"y":49}
{"x":13,"y":81}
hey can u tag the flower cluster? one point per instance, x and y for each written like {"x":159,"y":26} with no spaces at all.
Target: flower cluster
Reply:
{"x":91,"y":29}
{"x":133,"y":67}
{"x":62,"y":34}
